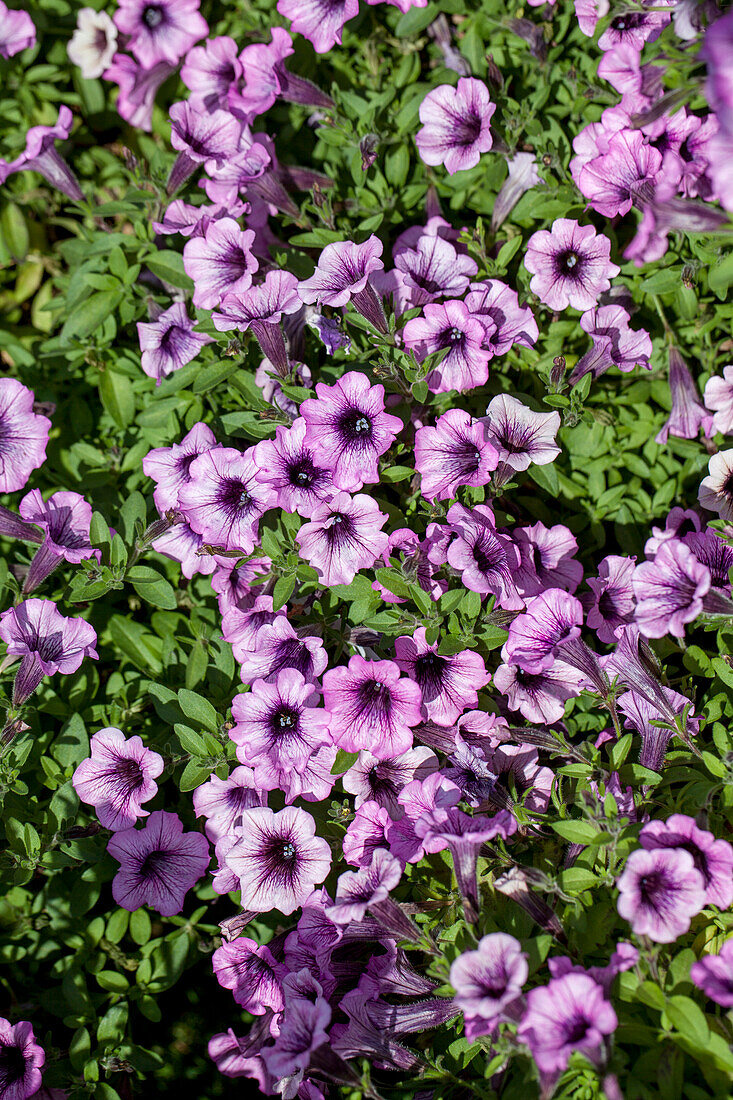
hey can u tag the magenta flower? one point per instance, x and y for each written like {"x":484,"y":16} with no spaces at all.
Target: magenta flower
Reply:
{"x":221,"y":802}
{"x":380,"y":781}
{"x":303,"y":1031}
{"x":688,"y":414}
{"x":455,"y":125}
{"x":568,"y":1014}
{"x":551,"y":618}
{"x":21,"y":1061}
{"x":138,"y":88}
{"x":169,"y":467}
{"x":278,"y":859}
{"x":622,"y":177}
{"x":538,"y":696}
{"x":449,"y":684}
{"x":669,"y":590}
{"x":182,"y":544}
{"x":641,"y":713}
{"x":489,"y":980}
{"x":449,"y":326}
{"x":46,"y":641}
{"x":342,"y":276}
{"x":40,"y":155}
{"x":242,"y":619}
{"x":718,"y":397}
{"x":17,"y":32}
{"x":65,"y":519}
{"x":634,"y":27}
{"x":712,"y":858}
{"x":546,"y":559}
{"x":220,"y":262}
{"x":613,"y":597}
{"x":349,"y":429}
{"x":486,"y":558}
{"x":287,"y":465}
{"x":660,"y":892}
{"x":716,"y":50}
{"x":614,"y":343}
{"x":570,"y":265}
{"x":159,"y":864}
{"x":117,"y":778}
{"x":261,"y":65}
{"x":169,"y":342}
{"x":505,"y":322}
{"x":453,"y":453}
{"x":713,"y":974}
{"x":260,"y":309}
{"x":433,"y":269}
{"x":223,"y":499}
{"x":520,"y":435}
{"x":716,"y":490}
{"x":372,"y":706}
{"x":712,"y":552}
{"x":252,"y":973}
{"x":211,"y":71}
{"x":276,"y":647}
{"x":320,"y":21}
{"x":160,"y":31}
{"x":278,"y":726}
{"x":342,"y":537}
{"x":366,"y":833}
{"x":358,"y":891}
{"x":232,"y":583}
{"x":201,"y":139}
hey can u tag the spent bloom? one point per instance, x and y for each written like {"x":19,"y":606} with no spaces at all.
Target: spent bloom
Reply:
{"x":117,"y":778}
{"x":455,"y":125}
{"x":158,"y":864}
{"x":688,"y":414}
{"x":570,"y":265}
{"x":21,"y":1061}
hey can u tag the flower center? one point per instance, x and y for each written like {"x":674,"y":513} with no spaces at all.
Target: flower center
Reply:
{"x":152,"y":16}
{"x":568,"y":262}
{"x":152,"y":864}
{"x":288,"y":850}
{"x":12,"y":1066}
{"x":454,"y":335}
{"x":356,"y":426}
{"x":302,"y":474}
{"x":285,"y":719}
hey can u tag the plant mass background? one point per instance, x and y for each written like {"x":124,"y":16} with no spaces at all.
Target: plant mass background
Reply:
{"x":366,"y":606}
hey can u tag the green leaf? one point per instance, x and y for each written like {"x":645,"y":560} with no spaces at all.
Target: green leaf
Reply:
{"x":546,"y":477}
{"x":152,"y":587}
{"x":117,"y":397}
{"x":137,"y":644}
{"x":689,"y":1019}
{"x":394,"y":582}
{"x":89,"y":315}
{"x":168,"y":266}
{"x":344,"y":760}
{"x":282,"y":592}
{"x":194,"y":774}
{"x":577,"y":832}
{"x":140,"y":927}
{"x":198,"y":709}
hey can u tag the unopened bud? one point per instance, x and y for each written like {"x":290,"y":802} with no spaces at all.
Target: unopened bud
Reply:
{"x":368,"y":149}
{"x":492,"y":72}
{"x":558,"y":371}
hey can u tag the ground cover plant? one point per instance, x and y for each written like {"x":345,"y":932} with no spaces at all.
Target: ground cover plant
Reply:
{"x":365,"y":415}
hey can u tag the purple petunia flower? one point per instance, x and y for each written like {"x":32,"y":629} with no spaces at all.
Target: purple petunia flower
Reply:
{"x":372,"y":706}
{"x":449,"y":684}
{"x":211,"y":71}
{"x":614,"y":343}
{"x":712,"y":858}
{"x":357,"y":891}
{"x":260,"y":309}
{"x":641,"y":713}
{"x":570,"y":265}
{"x":17,"y":31}
{"x":46,"y":641}
{"x":716,"y":490}
{"x":278,"y":859}
{"x":169,"y":467}
{"x":65,"y":519}
{"x":505,"y":322}
{"x":343,"y":536}
{"x":712,"y":552}
{"x":456,"y":125}
{"x":715,"y":53}
{"x":252,"y":973}
{"x":538,"y":696}
{"x":221,"y":802}
{"x":278,"y":726}
{"x":21,"y":1061}
{"x":380,"y":781}
{"x":223,"y":499}
{"x":520,"y":435}
{"x":241,"y":621}
{"x":117,"y":778}
{"x":320,"y":21}
{"x":349,"y":429}
{"x":453,"y":453}
{"x":182,"y":544}
{"x":40,"y":155}
{"x":159,"y":864}
{"x":277,"y":646}
{"x":551,"y":618}
{"x":342,"y":276}
{"x":713,"y":974}
{"x":669,"y":590}
{"x":485,"y":557}
{"x":220,"y":262}
{"x":547,"y":559}
{"x":450,"y":327}
{"x":204,"y":139}
{"x":623,"y":176}
{"x":718,"y":397}
{"x":568,"y":1014}
{"x":138,"y":88}
{"x":688,"y":414}
{"x":287,"y":465}
{"x":169,"y":342}
{"x":489,"y":980}
{"x":613,"y":597}
{"x":161,"y":30}
{"x":433,"y":269}
{"x":366,"y":833}
{"x":303,"y":1031}
{"x":660,"y":892}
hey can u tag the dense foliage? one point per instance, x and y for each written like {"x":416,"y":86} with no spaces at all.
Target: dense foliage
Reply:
{"x":367,"y":704}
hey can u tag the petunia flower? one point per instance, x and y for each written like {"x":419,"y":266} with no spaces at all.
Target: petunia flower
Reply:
{"x":520,"y":435}
{"x":372,"y":706}
{"x":343,"y":275}
{"x":65,"y":519}
{"x":343,"y":536}
{"x":614,"y":343}
{"x":117,"y":778}
{"x":159,"y":864}
{"x":380,"y":781}
{"x":287,"y":465}
{"x":449,"y":684}
{"x":712,"y":858}
{"x":669,"y":590}
{"x":660,"y":891}
{"x":224,"y":500}
{"x":489,"y":980}
{"x":486,"y":558}
{"x":40,"y":155}
{"x":169,"y":467}
{"x":220,"y":262}
{"x":160,"y":31}
{"x":21,"y":1060}
{"x":455,"y":125}
{"x":260,"y":308}
{"x":551,"y":617}
{"x":46,"y":641}
{"x":613,"y":597}
{"x":433,"y":269}
{"x":277,"y":646}
{"x":716,"y":490}
{"x":713,"y":974}
{"x":17,"y":31}
{"x":568,"y":1014}
{"x":169,"y":342}
{"x":451,"y":327}
{"x":570,"y":265}
{"x":454,"y":452}
{"x":538,"y":696}
{"x":546,"y":559}
{"x":138,"y":88}
{"x":93,"y":43}
{"x":221,"y":801}
{"x":211,"y":72}
{"x":505,"y":322}
{"x":320,"y":21}
{"x":252,"y":973}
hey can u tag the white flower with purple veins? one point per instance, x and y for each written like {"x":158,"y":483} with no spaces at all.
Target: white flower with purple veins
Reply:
{"x":169,"y":342}
{"x":716,"y":490}
{"x":169,"y":467}
{"x":570,"y":265}
{"x":278,"y":859}
{"x":489,"y":979}
{"x":223,"y":500}
{"x":718,"y":397}
{"x":92,"y":45}
{"x":456,"y":125}
{"x":505,"y":322}
{"x":433,"y":269}
{"x":342,"y":537}
{"x":520,"y":435}
{"x":220,"y":262}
